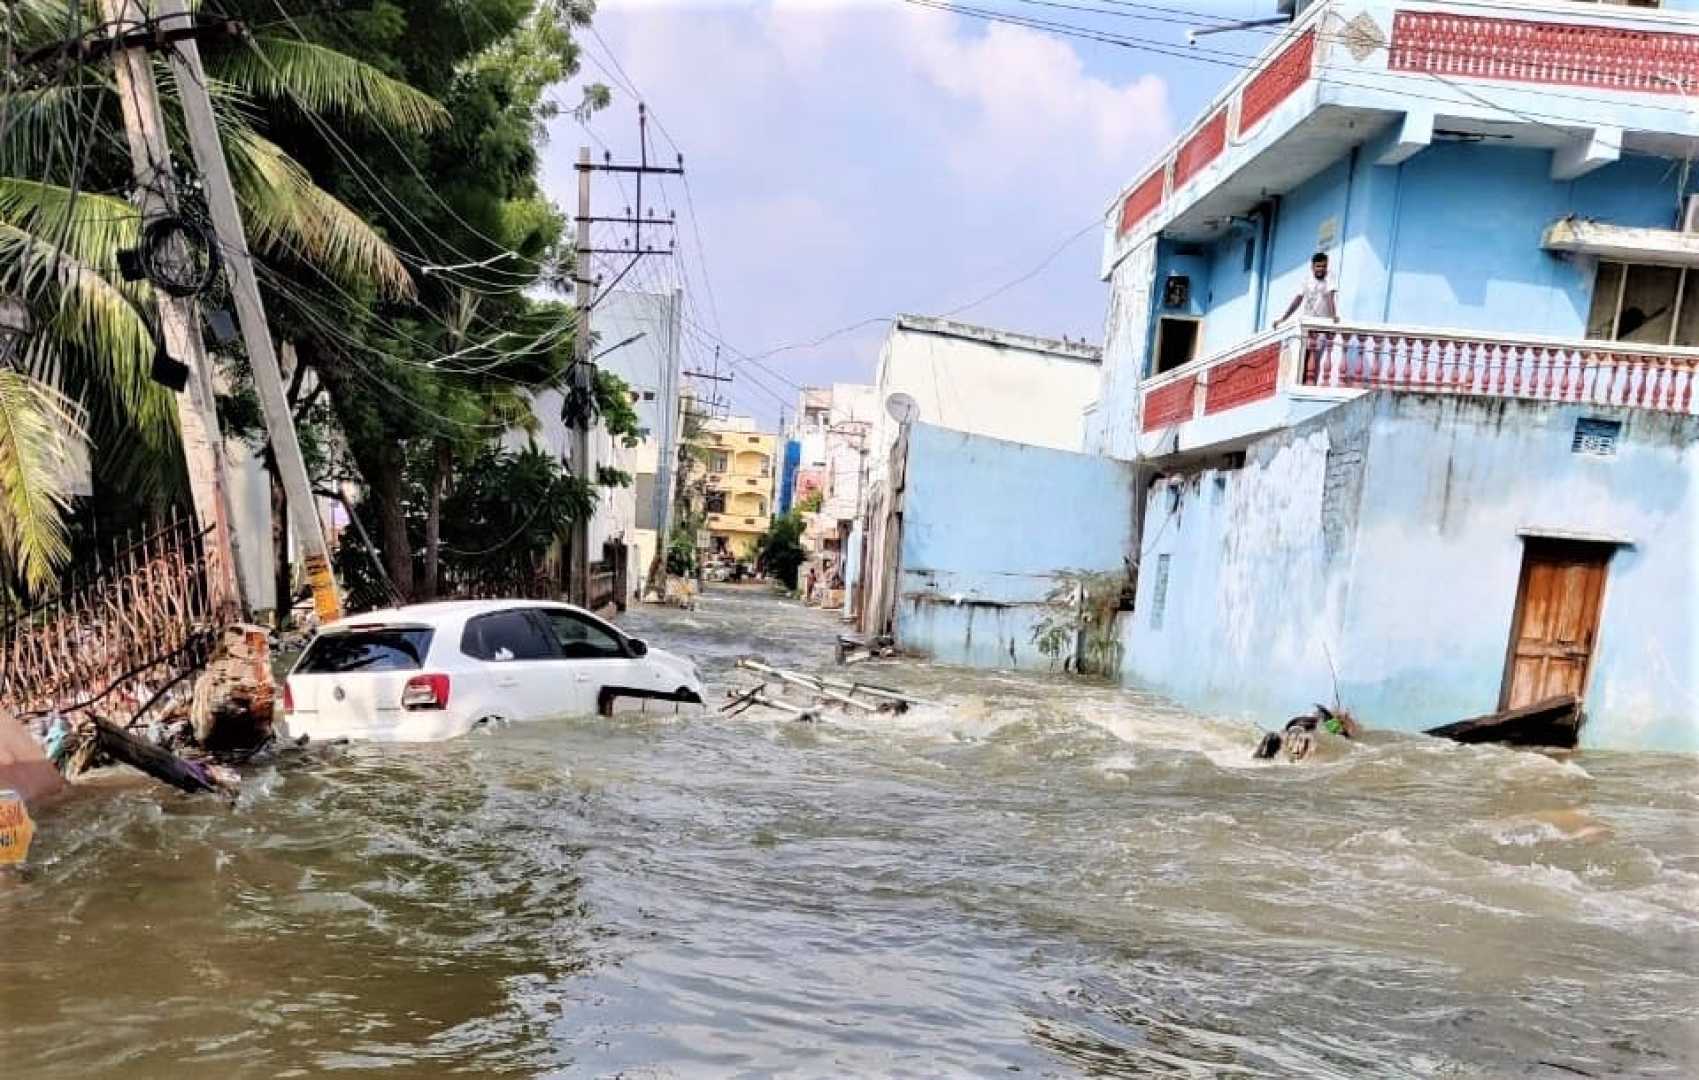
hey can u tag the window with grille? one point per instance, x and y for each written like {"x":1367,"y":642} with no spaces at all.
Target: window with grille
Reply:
{"x":1646,"y":305}
{"x":1596,"y":437}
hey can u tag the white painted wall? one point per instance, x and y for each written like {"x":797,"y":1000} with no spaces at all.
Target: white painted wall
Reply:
{"x":984,"y":382}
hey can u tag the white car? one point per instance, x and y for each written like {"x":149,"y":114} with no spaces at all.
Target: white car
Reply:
{"x":434,"y":671}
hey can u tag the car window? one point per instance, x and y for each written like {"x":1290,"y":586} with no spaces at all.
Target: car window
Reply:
{"x":581,"y":639}
{"x":508,"y":635}
{"x":375,"y":649}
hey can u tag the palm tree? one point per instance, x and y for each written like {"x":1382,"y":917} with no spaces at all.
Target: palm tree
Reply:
{"x":92,"y":339}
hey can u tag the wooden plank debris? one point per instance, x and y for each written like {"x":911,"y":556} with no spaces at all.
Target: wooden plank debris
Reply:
{"x":1553,"y":722}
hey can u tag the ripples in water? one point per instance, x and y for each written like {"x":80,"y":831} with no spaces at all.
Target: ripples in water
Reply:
{"x":1049,"y":877}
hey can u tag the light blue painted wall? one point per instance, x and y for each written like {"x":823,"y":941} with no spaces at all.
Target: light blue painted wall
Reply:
{"x":1449,"y":485}
{"x":987,"y":526}
{"x":1296,"y":230}
{"x":1468,"y":249}
{"x":1381,"y":539}
{"x":1450,"y":239}
{"x":1231,"y":289}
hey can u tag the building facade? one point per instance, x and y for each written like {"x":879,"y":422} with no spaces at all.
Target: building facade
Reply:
{"x":835,"y":427}
{"x":738,"y":478}
{"x":1000,"y":383}
{"x":1461,"y":485}
{"x":636,"y":339}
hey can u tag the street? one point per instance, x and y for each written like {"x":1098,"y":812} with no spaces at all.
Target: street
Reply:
{"x":1045,"y":876}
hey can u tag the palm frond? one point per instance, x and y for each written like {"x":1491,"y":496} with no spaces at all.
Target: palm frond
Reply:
{"x":326,"y":81}
{"x":33,"y":123}
{"x":91,"y":228}
{"x":85,"y":315}
{"x":39,"y":431}
{"x":284,"y":210}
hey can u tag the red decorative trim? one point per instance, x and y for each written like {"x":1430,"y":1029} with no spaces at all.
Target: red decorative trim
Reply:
{"x":1606,"y":57}
{"x":1170,"y":403}
{"x":1276,"y":82}
{"x":1250,"y":377}
{"x":1141,"y":202}
{"x":1201,"y":149}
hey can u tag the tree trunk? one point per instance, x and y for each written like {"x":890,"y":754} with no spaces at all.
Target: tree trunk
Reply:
{"x":382,"y":464}
{"x":283,"y":605}
{"x":429,"y":588}
{"x":384,"y":489}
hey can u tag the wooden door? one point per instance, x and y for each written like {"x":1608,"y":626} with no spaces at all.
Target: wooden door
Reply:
{"x":1557,"y":621}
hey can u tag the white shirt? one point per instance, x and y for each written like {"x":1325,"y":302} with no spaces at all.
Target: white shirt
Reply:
{"x":1318,"y":293}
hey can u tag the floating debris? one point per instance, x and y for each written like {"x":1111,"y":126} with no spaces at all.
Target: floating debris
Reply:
{"x":1298,"y":740}
{"x":853,"y":650}
{"x":827,"y":694}
{"x":1554,"y":722}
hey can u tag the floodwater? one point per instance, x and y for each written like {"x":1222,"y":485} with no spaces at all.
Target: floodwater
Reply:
{"x":1044,"y":877}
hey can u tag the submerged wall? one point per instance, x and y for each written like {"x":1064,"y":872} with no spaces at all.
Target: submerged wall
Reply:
{"x":989,"y":529}
{"x":1385,"y":539}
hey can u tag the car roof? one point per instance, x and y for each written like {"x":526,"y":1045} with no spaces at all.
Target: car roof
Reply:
{"x":445,"y":610}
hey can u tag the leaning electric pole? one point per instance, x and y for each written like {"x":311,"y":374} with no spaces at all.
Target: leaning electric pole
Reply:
{"x":172,"y":234}
{"x":203,"y":446}
{"x":583,"y":379}
{"x":208,"y":149}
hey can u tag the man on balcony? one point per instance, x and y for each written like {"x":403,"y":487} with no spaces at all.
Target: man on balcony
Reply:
{"x":1318,"y":298}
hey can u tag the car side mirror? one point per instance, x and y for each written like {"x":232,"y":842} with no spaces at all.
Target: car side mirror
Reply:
{"x":637,"y":647}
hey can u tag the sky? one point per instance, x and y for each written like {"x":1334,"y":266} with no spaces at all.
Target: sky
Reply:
{"x":850,"y":160}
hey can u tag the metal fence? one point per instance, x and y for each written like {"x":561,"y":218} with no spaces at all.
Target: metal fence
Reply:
{"x":121,"y":632}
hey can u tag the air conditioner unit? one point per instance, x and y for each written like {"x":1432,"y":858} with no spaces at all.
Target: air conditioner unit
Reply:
{"x":1690,"y":215}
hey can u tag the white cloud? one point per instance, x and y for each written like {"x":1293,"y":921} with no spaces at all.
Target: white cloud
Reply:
{"x":852,"y":159}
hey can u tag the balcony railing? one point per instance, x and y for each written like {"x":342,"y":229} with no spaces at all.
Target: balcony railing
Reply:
{"x":1332,"y":358}
{"x":1594,"y":372}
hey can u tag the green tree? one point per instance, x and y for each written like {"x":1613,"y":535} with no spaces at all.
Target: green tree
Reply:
{"x":456,"y":366}
{"x":91,"y":336}
{"x":779,"y":552}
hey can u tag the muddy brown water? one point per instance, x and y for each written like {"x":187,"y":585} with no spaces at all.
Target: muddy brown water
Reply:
{"x":1044,"y":877}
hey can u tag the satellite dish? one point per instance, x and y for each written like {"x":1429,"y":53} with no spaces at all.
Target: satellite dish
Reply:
{"x":902,"y":408}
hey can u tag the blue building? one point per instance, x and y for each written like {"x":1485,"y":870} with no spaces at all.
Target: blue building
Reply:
{"x":1474,"y":488}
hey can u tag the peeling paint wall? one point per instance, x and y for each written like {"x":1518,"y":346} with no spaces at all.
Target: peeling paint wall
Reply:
{"x":988,"y":527}
{"x":1254,"y":588}
{"x":1112,"y":425}
{"x":1382,"y":540}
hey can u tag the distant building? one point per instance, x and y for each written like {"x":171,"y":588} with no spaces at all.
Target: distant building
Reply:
{"x":1008,"y":385}
{"x":738,"y":479}
{"x":833,"y":428}
{"x":636,"y":339}
{"x":998,"y":385}
{"x":805,"y":444}
{"x":1463,"y":476}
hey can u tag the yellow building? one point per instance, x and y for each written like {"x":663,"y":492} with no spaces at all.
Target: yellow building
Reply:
{"x":737,"y":469}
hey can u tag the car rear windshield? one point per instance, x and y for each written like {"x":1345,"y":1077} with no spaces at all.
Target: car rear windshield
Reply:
{"x":376,"y":649}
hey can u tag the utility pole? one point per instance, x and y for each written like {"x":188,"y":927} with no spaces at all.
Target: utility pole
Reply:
{"x":208,"y":150}
{"x":203,"y":445}
{"x":667,"y":461}
{"x":583,"y":381}
{"x":583,"y":367}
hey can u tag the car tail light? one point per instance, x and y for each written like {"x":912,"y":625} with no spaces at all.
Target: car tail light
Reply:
{"x":288,"y":698}
{"x":425,"y":692}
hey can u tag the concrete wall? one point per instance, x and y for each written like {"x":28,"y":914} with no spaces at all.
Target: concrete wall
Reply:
{"x":1385,"y":536}
{"x":988,"y":526}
